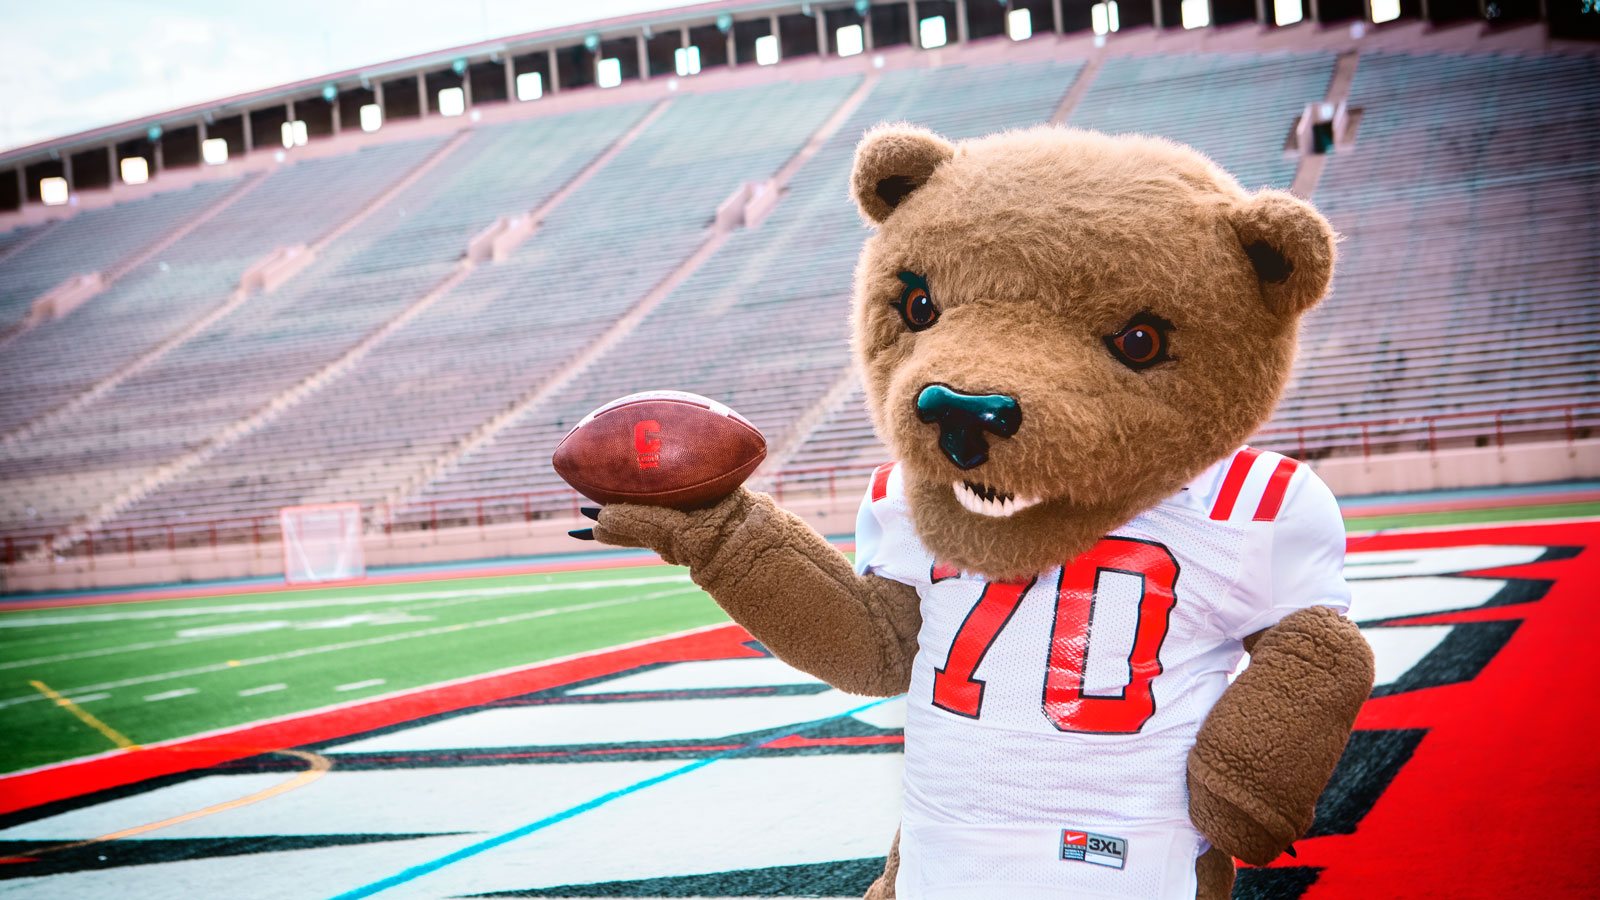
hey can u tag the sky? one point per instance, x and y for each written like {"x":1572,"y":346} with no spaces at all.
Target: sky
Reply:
{"x":67,"y":67}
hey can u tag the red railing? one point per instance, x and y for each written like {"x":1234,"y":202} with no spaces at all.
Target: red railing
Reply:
{"x":1569,"y":422}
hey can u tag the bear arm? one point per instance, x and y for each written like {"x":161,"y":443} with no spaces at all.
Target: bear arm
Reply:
{"x":1270,"y":744}
{"x":791,"y":589}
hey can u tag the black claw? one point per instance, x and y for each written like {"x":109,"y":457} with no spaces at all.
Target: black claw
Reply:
{"x":1291,"y":852}
{"x":582,"y":534}
{"x":590,"y":512}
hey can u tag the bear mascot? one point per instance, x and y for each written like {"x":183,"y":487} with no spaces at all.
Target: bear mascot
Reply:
{"x":1066,"y":339}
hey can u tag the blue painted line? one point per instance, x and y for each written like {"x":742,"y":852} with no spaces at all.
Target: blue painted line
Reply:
{"x":417,"y":871}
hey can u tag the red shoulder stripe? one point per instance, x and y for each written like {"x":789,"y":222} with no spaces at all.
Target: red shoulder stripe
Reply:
{"x":1242,"y":461}
{"x":1277,"y":486}
{"x":880,"y":481}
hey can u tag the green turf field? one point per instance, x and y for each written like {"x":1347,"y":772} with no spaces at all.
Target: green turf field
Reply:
{"x":170,"y":668}
{"x":156,"y":670}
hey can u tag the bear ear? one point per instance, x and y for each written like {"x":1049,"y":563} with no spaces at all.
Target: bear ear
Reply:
{"x":1291,"y":247}
{"x":891,"y":162}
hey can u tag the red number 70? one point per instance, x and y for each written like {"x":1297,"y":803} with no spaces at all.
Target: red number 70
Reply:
{"x":1065,"y":704}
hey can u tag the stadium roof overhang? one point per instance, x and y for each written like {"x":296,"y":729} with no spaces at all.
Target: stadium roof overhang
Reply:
{"x":131,"y":129}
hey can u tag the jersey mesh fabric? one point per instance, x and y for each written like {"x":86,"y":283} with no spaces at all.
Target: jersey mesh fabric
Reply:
{"x":975,"y":779}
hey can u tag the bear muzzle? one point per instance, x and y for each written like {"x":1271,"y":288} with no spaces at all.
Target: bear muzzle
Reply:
{"x":966,"y":420}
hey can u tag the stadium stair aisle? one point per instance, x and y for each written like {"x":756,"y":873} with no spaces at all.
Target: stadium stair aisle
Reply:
{"x":762,"y":324}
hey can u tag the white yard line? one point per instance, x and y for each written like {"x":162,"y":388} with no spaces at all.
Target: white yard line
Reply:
{"x":331,"y":648}
{"x":89,"y":697}
{"x":358,"y":685}
{"x":23,"y":621}
{"x":168,"y":695}
{"x":264,"y":689}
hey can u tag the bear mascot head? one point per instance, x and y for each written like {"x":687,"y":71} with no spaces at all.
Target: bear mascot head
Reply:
{"x":1065,"y":338}
{"x":1058,"y":328}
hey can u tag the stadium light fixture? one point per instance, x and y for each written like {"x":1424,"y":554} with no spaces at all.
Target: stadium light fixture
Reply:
{"x":294,"y":134}
{"x":1385,"y":10}
{"x":213,"y":150}
{"x":930,"y":32}
{"x":849,"y":40}
{"x":530,"y":86}
{"x":687,"y":60}
{"x":135,"y":170}
{"x":1196,"y":13}
{"x":53,"y":191}
{"x":452,"y":101}
{"x":1287,"y":12}
{"x":1103,"y":16}
{"x":371,"y":117}
{"x":1019,"y":24}
{"x":610,"y":73}
{"x":766,"y":50}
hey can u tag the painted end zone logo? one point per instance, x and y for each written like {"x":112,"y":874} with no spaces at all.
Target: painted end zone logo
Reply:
{"x":1100,"y":849}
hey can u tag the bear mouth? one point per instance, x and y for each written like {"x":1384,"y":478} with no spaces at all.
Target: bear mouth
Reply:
{"x":987,"y":501}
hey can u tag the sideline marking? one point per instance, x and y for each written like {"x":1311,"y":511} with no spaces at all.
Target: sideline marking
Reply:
{"x":417,"y":871}
{"x":318,"y":767}
{"x":358,"y":685}
{"x":88,"y":718}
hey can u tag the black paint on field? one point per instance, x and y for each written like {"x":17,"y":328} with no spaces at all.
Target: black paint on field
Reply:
{"x":1459,"y":657}
{"x":1287,"y":883}
{"x":137,"y":852}
{"x":844,"y":878}
{"x":1552,"y":554}
{"x":1371,"y":761}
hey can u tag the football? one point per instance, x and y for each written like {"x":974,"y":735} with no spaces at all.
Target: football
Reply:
{"x":660,"y":448}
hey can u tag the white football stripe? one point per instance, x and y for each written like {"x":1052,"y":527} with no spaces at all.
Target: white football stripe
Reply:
{"x":605,"y":723}
{"x":1436,"y":561}
{"x":1390,"y":597}
{"x":716,"y":673}
{"x":1398,"y":649}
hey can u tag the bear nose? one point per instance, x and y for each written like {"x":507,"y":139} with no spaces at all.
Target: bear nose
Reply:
{"x":963,"y":419}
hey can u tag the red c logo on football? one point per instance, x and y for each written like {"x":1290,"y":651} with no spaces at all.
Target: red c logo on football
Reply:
{"x":646,"y":441}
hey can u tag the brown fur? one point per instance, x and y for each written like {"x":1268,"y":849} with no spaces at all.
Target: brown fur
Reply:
{"x":1036,"y":245}
{"x":1253,"y":772}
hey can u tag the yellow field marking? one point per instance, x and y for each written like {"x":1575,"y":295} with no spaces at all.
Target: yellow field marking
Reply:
{"x":115,"y":736}
{"x":319,"y":766}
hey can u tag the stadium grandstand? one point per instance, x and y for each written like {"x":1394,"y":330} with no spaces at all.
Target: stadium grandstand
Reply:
{"x":400,"y":286}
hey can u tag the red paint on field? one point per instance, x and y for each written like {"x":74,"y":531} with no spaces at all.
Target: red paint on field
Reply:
{"x":73,"y":779}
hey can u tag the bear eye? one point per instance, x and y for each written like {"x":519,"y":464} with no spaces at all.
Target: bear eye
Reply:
{"x":916,"y":304}
{"x":1142,"y":342}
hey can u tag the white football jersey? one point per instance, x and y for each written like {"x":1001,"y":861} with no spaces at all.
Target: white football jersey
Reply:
{"x":1049,"y":722}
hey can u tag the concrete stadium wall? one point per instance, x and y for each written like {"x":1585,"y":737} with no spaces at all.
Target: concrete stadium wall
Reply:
{"x":1384,"y":473}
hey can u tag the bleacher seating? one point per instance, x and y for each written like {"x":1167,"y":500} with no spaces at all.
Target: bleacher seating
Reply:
{"x":96,"y":239}
{"x":1471,"y":255}
{"x":1467,"y":281}
{"x":228,"y":370}
{"x":50,"y":364}
{"x":502,"y":331}
{"x":763,"y":325}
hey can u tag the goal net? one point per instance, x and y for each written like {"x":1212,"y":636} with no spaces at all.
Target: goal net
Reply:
{"x":322,"y":543}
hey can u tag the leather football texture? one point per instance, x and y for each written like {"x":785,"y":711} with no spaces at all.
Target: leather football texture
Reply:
{"x":660,"y":448}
